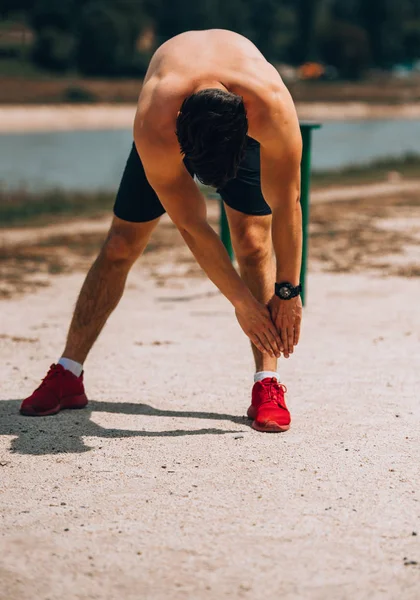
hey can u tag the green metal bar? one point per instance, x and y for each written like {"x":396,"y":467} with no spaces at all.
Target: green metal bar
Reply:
{"x":224,"y":230}
{"x":305,"y":182}
{"x":306,"y":131}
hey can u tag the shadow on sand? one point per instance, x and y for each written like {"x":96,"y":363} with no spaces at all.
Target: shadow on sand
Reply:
{"x":64,"y":433}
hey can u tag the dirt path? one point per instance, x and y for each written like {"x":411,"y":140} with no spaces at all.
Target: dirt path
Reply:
{"x":365,"y":191}
{"x":160,"y":490}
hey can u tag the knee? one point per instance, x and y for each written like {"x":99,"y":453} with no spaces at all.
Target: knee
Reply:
{"x":253,"y":246}
{"x":119,"y":248}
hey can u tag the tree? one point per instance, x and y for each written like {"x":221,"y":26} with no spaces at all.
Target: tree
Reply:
{"x":346,"y":47}
{"x":106,"y":40}
{"x":53,"y":23}
{"x":273,"y":26}
{"x":305,"y":33}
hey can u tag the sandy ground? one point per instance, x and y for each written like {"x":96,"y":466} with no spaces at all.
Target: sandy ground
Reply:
{"x":26,"y":118}
{"x":160,"y":489}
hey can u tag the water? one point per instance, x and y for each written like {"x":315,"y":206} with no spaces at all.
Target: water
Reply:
{"x":91,"y":160}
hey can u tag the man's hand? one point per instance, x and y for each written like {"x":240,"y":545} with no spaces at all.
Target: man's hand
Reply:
{"x":287,"y":317}
{"x":256,"y":322}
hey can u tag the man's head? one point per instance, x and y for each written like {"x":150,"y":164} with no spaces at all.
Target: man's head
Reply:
{"x":211,"y":128}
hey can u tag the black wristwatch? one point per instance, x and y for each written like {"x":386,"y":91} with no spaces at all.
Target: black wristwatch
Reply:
{"x":286,"y":290}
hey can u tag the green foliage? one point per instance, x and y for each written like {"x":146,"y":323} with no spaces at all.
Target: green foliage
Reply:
{"x":98,"y":37}
{"x":105,"y":45}
{"x":53,"y":15}
{"x":54,"y":49}
{"x":411,"y":41}
{"x":346,"y":47}
{"x":20,"y":207}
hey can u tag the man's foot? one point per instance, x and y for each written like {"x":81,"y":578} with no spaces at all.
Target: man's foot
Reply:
{"x":59,"y":389}
{"x":268,"y":409}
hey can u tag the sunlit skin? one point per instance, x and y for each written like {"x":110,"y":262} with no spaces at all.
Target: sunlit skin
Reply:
{"x":222,"y":59}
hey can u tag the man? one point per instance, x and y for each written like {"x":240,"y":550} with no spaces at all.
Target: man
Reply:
{"x":213,"y":107}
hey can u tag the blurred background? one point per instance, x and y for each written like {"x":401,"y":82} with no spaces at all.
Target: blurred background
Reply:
{"x":71,"y":72}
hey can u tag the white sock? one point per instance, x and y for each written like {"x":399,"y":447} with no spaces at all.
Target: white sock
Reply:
{"x":71,"y":365}
{"x":264,"y":374}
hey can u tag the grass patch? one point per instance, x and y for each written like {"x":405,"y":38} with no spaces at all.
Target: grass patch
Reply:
{"x":17,"y":66}
{"x":20,"y":207}
{"x":375,"y":171}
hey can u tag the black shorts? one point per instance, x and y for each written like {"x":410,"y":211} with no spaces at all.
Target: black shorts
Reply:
{"x":137,"y":201}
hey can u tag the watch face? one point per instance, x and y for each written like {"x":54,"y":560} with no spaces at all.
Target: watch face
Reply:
{"x":285,"y":292}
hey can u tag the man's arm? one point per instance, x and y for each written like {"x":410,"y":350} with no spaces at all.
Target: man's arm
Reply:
{"x":281,"y":151}
{"x":186,"y":207}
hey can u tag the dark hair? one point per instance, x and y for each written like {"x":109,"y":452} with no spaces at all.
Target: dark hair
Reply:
{"x":211,"y":129}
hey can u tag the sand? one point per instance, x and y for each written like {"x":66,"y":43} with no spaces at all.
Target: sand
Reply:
{"x":161,"y":490}
{"x":63,"y":117}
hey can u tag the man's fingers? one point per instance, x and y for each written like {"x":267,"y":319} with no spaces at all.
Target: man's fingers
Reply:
{"x":290,"y":338}
{"x":276,"y":331}
{"x":274,"y":338}
{"x":257,"y":343}
{"x":269,"y":343}
{"x":284,"y":342}
{"x":297,"y":333}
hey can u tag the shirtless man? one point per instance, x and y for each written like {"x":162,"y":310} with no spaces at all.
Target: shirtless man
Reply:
{"x":213,"y":107}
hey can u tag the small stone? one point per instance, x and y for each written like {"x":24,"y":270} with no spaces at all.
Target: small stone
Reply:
{"x":414,"y":533}
{"x":67,"y":529}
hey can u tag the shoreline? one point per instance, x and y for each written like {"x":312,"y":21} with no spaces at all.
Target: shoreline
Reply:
{"x":71,"y":117}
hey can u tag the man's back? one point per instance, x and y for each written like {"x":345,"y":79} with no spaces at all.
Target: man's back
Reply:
{"x":180,"y":64}
{"x":209,"y":52}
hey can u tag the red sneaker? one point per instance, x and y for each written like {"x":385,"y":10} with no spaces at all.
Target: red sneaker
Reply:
{"x":59,"y":389}
{"x":268,"y":409}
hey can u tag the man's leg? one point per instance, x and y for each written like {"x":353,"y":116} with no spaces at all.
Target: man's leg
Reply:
{"x":251,"y":240}
{"x":104,"y":284}
{"x":103,"y":287}
{"x":249,"y":219}
{"x":137,"y":210}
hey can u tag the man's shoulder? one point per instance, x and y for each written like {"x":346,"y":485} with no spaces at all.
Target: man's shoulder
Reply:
{"x":159,"y":103}
{"x":270,"y":107}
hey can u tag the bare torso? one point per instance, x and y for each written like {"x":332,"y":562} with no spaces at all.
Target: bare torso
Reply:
{"x":189,"y":60}
{"x":222,"y":59}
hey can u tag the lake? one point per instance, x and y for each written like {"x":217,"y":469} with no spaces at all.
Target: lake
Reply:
{"x":90,"y":160}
